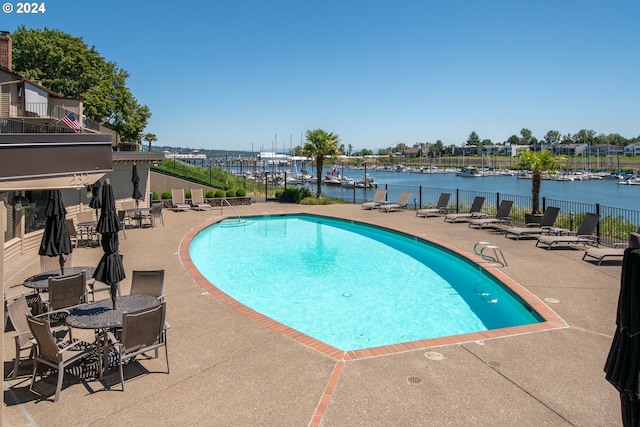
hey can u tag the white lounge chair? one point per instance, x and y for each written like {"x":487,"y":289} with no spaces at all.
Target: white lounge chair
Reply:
{"x":197,"y":200}
{"x":178,"y":202}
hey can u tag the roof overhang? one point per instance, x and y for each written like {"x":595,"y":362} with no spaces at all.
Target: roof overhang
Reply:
{"x":41,"y":161}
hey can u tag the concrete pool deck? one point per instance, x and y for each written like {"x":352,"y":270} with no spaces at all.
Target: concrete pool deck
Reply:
{"x":227,"y":369}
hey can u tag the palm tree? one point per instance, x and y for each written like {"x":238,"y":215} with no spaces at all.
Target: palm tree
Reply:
{"x":320,"y":144}
{"x":150,"y":137}
{"x":539,"y":162}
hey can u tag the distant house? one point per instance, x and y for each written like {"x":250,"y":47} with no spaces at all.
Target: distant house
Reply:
{"x":411,"y":152}
{"x":632,"y":149}
{"x":570,"y":149}
{"x":602,"y":150}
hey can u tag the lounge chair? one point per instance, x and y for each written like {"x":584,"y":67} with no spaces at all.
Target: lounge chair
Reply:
{"x":177,"y":200}
{"x":441,"y":207}
{"x":547,"y":221}
{"x":583,"y":235}
{"x":617,"y":251}
{"x":501,"y":218}
{"x":197,"y":200}
{"x":378,"y":199}
{"x":474,"y":212}
{"x":401,"y":203}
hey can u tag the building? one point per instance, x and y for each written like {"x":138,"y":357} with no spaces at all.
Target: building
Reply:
{"x":632,"y":149}
{"x":39,"y":152}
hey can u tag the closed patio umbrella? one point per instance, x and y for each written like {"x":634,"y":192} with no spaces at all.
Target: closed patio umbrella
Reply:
{"x":56,"y":240}
{"x":623,"y":363}
{"x":135,"y":179}
{"x":110,"y":269}
{"x":95,"y":202}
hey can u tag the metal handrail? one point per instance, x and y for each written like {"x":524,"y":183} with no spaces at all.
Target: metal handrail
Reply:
{"x":230,"y":205}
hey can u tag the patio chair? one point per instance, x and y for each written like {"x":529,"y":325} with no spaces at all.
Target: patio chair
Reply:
{"x":73,"y":233}
{"x":501,"y":218}
{"x":178,"y":201}
{"x":401,"y":203}
{"x":122,"y":217}
{"x":378,"y":199}
{"x":599,"y":254}
{"x":197,"y":200}
{"x":535,"y":229}
{"x":65,"y":292}
{"x":54,"y":354}
{"x":142,"y":331}
{"x":18,"y":311}
{"x":127,"y":206}
{"x":474,"y":212}
{"x":147,"y":282}
{"x":154,"y":213}
{"x":441,"y":207}
{"x":583,"y":235}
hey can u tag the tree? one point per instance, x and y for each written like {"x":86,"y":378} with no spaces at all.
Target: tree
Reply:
{"x":552,"y":137}
{"x":473,"y":139}
{"x":350,"y":149}
{"x":319,"y":145}
{"x":66,"y":65}
{"x":150,"y":137}
{"x":437,"y":148}
{"x":539,"y":162}
{"x":526,"y":136}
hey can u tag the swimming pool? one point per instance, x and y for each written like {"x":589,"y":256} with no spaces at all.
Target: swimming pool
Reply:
{"x":351,"y":285}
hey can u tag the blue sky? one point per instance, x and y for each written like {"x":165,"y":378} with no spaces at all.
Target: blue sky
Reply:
{"x":243,"y":74}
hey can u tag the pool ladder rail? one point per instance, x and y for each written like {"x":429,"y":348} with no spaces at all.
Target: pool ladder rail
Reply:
{"x":497,"y":256}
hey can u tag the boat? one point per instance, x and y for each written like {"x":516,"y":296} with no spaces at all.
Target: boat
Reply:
{"x":348,"y":182}
{"x":469,"y":171}
{"x":632,"y":180}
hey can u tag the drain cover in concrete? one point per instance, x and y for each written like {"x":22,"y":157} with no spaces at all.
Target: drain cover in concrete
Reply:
{"x":552,"y":300}
{"x":433,"y":355}
{"x":414,"y":380}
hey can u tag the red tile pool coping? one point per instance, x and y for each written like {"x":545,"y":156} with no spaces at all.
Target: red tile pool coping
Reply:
{"x":551,"y":319}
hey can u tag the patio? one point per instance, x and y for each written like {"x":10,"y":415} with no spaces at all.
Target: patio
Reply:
{"x":235,"y":371}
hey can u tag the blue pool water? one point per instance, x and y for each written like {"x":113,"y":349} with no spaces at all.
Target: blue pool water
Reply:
{"x":351,"y":285}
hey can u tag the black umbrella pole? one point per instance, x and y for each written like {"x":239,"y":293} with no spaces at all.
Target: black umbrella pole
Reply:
{"x":114,"y":294}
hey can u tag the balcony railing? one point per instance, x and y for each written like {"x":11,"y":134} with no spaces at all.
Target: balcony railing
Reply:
{"x":47,"y":110}
{"x":25,"y":126}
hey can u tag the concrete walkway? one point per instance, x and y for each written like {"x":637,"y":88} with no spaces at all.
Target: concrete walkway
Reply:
{"x":228,"y":370}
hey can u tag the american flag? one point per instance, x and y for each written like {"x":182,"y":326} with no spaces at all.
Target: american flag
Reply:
{"x":71,"y":122}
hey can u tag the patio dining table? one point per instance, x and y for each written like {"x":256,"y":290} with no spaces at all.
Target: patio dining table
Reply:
{"x":102,"y":317}
{"x":137,"y":214}
{"x":40,"y":282}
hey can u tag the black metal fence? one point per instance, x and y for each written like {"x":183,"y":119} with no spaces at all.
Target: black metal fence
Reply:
{"x":614,"y":226}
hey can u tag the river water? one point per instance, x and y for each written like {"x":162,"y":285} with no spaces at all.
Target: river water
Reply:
{"x":604,"y":191}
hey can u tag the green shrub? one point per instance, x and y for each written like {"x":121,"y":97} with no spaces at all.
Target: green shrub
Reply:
{"x":209,"y":194}
{"x":187,"y":195}
{"x":219,"y":194}
{"x":166,"y":195}
{"x":293,"y":194}
{"x":241,"y":192}
{"x":155,"y":196}
{"x":231,"y":193}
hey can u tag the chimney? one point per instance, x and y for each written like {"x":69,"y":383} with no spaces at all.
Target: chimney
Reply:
{"x":6,"y":46}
